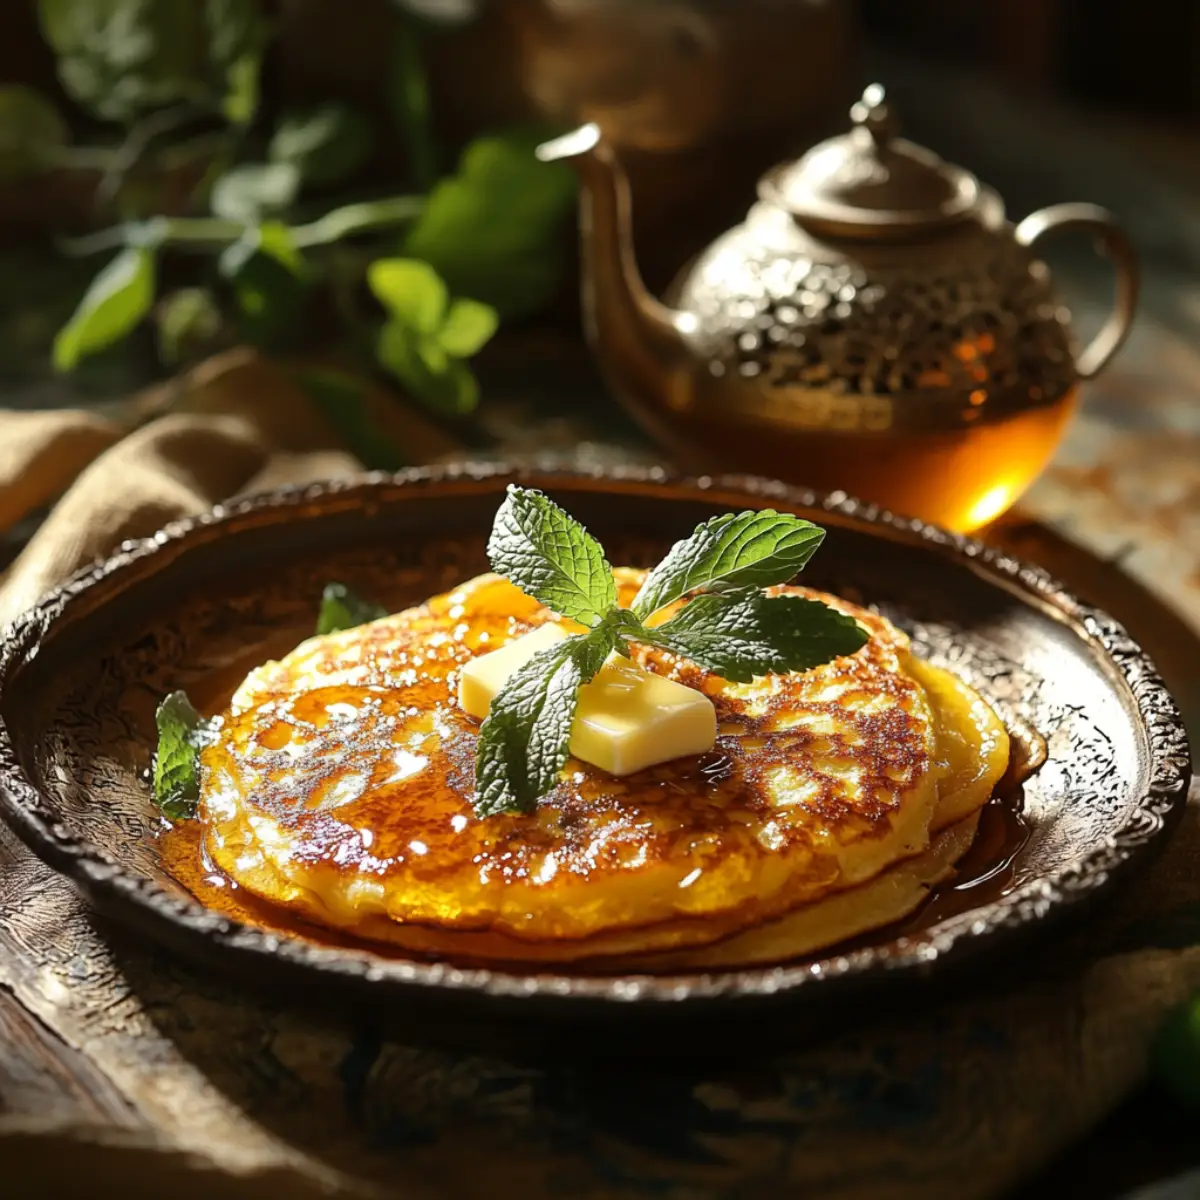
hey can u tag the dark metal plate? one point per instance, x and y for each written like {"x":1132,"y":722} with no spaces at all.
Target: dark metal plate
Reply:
{"x":80,"y":676}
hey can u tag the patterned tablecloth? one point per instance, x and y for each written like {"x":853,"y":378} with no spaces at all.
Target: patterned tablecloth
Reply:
{"x":117,"y":1062}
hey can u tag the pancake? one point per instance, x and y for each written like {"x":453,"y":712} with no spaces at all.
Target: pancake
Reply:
{"x":340,"y":790}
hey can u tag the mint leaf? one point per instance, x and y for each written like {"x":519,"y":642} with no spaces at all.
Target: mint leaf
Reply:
{"x":412,"y":292}
{"x":749,"y":549}
{"x":272,"y":239}
{"x":468,"y":328}
{"x":342,"y":609}
{"x":182,"y":731}
{"x":525,"y":739}
{"x":742,"y":634}
{"x":547,"y":553}
{"x":115,"y":303}
{"x":444,"y":384}
{"x":493,"y":230}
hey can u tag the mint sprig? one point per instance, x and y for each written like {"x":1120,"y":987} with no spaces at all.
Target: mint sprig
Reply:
{"x":748,"y":549}
{"x":742,"y":634}
{"x":526,"y":734}
{"x":547,"y":553}
{"x":182,"y":733}
{"x":731,"y":627}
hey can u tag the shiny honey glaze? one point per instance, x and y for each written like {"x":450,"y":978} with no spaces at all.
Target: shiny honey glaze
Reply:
{"x":344,"y":775}
{"x":671,"y":817}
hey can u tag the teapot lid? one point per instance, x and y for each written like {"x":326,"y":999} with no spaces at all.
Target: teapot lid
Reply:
{"x":871,"y":183}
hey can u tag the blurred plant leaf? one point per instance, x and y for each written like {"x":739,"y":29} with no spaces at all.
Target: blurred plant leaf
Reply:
{"x":326,"y":144}
{"x":115,"y":303}
{"x":252,"y":191}
{"x":270,"y":302}
{"x":237,"y":37}
{"x":412,"y":292}
{"x":344,"y":400}
{"x":468,"y":328}
{"x":242,"y":94}
{"x":189,"y":323}
{"x":492,"y":230}
{"x":30,"y":131}
{"x":271,"y":238}
{"x":429,"y":374}
{"x":425,"y":339}
{"x":120,"y":59}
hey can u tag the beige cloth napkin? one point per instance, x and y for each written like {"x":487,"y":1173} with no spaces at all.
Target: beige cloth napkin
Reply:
{"x":236,"y":424}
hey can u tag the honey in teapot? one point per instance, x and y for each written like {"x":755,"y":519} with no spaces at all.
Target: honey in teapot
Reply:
{"x":874,"y":326}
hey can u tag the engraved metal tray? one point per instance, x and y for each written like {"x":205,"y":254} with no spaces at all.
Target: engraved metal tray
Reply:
{"x":81,"y":674}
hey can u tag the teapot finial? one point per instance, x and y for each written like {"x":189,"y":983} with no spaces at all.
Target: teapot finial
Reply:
{"x":873,"y":113}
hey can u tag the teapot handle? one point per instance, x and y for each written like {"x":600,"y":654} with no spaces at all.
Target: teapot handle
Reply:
{"x":1112,"y":241}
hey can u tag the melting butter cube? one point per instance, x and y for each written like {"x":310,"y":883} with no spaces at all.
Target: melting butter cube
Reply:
{"x":628,"y":719}
{"x":485,"y":675}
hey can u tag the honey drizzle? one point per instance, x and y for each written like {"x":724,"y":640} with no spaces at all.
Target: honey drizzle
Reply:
{"x":985,"y":873}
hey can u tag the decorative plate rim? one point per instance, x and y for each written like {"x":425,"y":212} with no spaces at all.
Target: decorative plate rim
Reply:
{"x":30,"y":814}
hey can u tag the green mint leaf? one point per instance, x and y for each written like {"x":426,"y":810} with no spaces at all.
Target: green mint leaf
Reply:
{"x":525,"y":739}
{"x":444,"y":384}
{"x":115,"y":303}
{"x":742,"y":634}
{"x":272,"y":239}
{"x":182,"y":731}
{"x":493,"y":229}
{"x":748,"y":549}
{"x":547,"y":553}
{"x":468,"y":327}
{"x":342,"y":609}
{"x":412,"y":292}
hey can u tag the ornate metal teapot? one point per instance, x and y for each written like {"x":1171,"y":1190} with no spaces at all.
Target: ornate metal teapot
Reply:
{"x":875,"y":325}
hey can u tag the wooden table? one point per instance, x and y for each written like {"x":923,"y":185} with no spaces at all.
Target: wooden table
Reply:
{"x":117,"y":1064}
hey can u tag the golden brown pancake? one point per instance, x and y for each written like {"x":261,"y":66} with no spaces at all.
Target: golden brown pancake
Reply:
{"x":340,"y":790}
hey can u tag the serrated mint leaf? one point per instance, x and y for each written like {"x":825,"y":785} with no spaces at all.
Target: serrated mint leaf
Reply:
{"x":182,"y":731}
{"x":525,"y":739}
{"x":342,"y":609}
{"x":749,"y":549}
{"x":742,"y":634}
{"x":547,"y":553}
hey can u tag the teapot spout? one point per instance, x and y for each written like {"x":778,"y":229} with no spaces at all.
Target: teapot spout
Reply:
{"x":638,"y":339}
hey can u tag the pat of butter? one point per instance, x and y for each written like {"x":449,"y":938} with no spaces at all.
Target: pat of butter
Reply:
{"x":628,"y":719}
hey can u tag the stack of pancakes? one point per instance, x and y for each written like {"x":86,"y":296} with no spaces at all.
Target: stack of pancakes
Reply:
{"x":340,"y":790}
